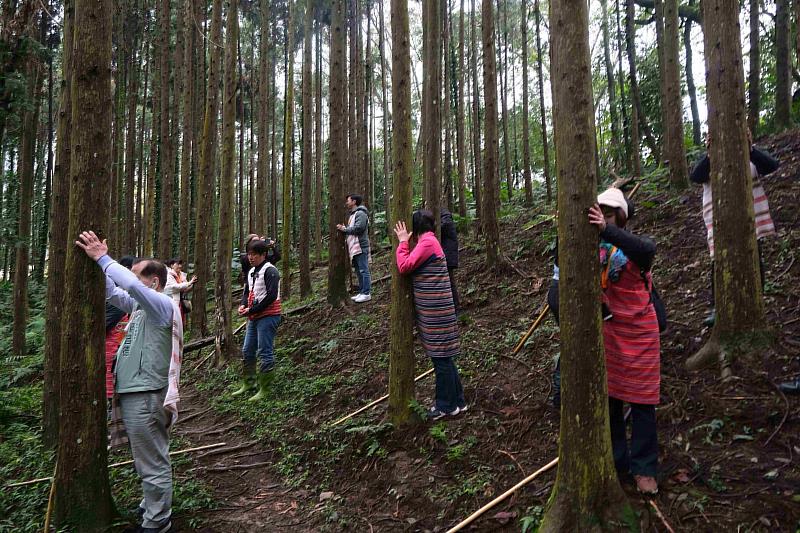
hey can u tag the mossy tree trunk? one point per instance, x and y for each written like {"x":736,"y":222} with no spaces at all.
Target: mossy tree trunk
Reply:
{"x":225,"y":343}
{"x":337,"y":156}
{"x":82,"y":491}
{"x":401,"y":340}
{"x":587,"y":495}
{"x":490,"y":167}
{"x":738,"y":294}
{"x":307,"y":155}
{"x":288,"y":135}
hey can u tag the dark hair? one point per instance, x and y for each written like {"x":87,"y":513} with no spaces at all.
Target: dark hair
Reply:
{"x":422,"y":222}
{"x":357,"y":198}
{"x":257,"y":246}
{"x":127,"y":261}
{"x":154,"y":267}
{"x":174,"y":260}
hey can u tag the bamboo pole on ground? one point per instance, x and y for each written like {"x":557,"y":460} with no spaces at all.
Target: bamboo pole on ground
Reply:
{"x":474,"y":516}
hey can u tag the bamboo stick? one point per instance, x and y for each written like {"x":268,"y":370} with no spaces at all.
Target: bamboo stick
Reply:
{"x":474,"y":516}
{"x":50,"y":501}
{"x":533,"y":327}
{"x":376,"y":402}
{"x":123,"y":463}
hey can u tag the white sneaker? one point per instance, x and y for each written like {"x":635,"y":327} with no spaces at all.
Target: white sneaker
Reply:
{"x":354,"y":297}
{"x":361,"y":298}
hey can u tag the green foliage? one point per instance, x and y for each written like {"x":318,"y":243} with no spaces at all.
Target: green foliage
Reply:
{"x":532,"y":519}
{"x":439,"y":432}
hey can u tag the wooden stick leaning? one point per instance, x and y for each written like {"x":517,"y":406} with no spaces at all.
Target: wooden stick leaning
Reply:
{"x":123,"y":463}
{"x":49,"y":512}
{"x":533,"y":327}
{"x":474,"y":516}
{"x":376,"y":402}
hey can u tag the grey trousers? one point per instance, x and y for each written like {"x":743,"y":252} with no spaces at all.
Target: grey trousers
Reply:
{"x":146,"y":424}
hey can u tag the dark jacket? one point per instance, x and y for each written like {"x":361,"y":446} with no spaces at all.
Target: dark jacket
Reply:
{"x":360,"y":227}
{"x":765,"y":164}
{"x":273,"y":256}
{"x":449,"y":239}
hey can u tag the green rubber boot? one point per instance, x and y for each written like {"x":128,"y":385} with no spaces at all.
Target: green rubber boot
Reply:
{"x":264,"y":381}
{"x":248,"y":378}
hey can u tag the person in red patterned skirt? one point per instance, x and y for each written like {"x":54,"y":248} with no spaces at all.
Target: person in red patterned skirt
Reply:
{"x":630,"y":338}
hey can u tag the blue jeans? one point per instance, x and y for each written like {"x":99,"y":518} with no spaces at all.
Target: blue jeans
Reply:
{"x":361,"y":266}
{"x":449,"y":393}
{"x":259,"y":338}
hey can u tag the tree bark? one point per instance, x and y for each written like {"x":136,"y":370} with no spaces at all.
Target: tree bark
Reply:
{"x":431,"y":111}
{"x":337,"y":157}
{"x":542,"y":116}
{"x":128,"y":243}
{"x":616,"y":137}
{"x":477,"y":185}
{"x":165,"y":139}
{"x":623,"y":102}
{"x":586,"y":495}
{"x":307,"y":156}
{"x":385,"y":120}
{"x":672,"y":104}
{"x":82,"y":492}
{"x":263,"y":178}
{"x":630,"y":46}
{"x":490,"y":167}
{"x":503,"y":60}
{"x":288,"y":134}
{"x":690,"y":86}
{"x":318,"y":148}
{"x":526,"y":138}
{"x":205,"y":188}
{"x":461,"y":152}
{"x":754,"y":79}
{"x":783,"y":65}
{"x":738,"y":294}
{"x":187,"y":148}
{"x":401,"y":339}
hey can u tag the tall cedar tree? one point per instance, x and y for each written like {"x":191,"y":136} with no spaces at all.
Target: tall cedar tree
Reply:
{"x":754,"y":78}
{"x":526,"y":138}
{"x":783,"y":65}
{"x":307,"y":155}
{"x":225,"y":343}
{"x":461,"y":152}
{"x":616,"y":137}
{"x":542,"y":116}
{"x":502,"y":45}
{"x":133,"y":29}
{"x":318,"y":148}
{"x":586,"y":495}
{"x":490,"y":167}
{"x":288,"y":136}
{"x":205,"y":187}
{"x":477,"y":165}
{"x":337,"y":156}
{"x":59,"y":212}
{"x":672,"y":106}
{"x":30,"y":122}
{"x":401,"y":339}
{"x":738,"y":295}
{"x":431,"y":110}
{"x":263,"y":118}
{"x":187,"y":125}
{"x":165,"y":139}
{"x":630,"y":48}
{"x":82,"y":492}
{"x":691,"y":89}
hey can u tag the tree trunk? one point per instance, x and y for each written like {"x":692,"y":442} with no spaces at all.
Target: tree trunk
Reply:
{"x":616,"y":138}
{"x":490,"y":167}
{"x":205,"y":188}
{"x":447,"y":174}
{"x":240,"y":202}
{"x":288,"y":135}
{"x":623,"y":102}
{"x":187,"y":148}
{"x":586,"y":495}
{"x":337,"y":156}
{"x":477,"y":185}
{"x":82,"y":492}
{"x":431,"y":117}
{"x":526,"y":138}
{"x":165,"y":148}
{"x":738,"y":294}
{"x":690,"y":86}
{"x":542,"y":116}
{"x":754,"y":79}
{"x":307,"y":156}
{"x":27,"y":154}
{"x":263,"y":177}
{"x":385,"y":120}
{"x":318,"y":209}
{"x":672,"y":105}
{"x":504,"y":102}
{"x":630,"y":46}
{"x":461,"y":152}
{"x":783,"y":65}
{"x":140,"y":177}
{"x":59,"y":212}
{"x":128,"y":243}
{"x":401,"y":340}
{"x":273,"y":194}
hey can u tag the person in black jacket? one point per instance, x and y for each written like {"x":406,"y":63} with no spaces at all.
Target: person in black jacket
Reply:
{"x":273,"y":254}
{"x":450,"y":247}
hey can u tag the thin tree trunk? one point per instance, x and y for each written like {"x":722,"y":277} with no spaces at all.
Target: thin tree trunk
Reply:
{"x":187,"y":148}
{"x":288,"y":134}
{"x":783,"y":79}
{"x":307,"y":155}
{"x":526,"y":141}
{"x":503,"y":60}
{"x":586,"y":489}
{"x":165,"y":139}
{"x":490,"y":167}
{"x":82,"y":492}
{"x":318,"y":209}
{"x":630,"y":46}
{"x":690,"y":86}
{"x":542,"y":116}
{"x":385,"y":129}
{"x":672,"y":105}
{"x":626,"y":125}
{"x":337,"y":156}
{"x":431,"y":118}
{"x":754,"y":79}
{"x":240,"y":203}
{"x":263,"y":177}
{"x":401,"y":339}
{"x":273,"y":194}
{"x":447,"y":174}
{"x":477,"y":186}
{"x":205,"y":188}
{"x":616,"y":138}
{"x":461,"y":152}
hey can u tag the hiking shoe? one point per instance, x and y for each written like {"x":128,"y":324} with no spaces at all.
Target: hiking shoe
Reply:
{"x":361,"y":298}
{"x":647,"y":485}
{"x":462,"y":409}
{"x":165,"y":526}
{"x":711,"y":318}
{"x":436,"y":414}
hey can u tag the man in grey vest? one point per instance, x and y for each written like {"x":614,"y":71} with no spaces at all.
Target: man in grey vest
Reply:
{"x":142,"y":368}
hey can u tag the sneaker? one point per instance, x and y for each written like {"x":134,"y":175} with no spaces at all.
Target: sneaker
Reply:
{"x":436,"y":414}
{"x":361,"y":298}
{"x":163,"y":528}
{"x":354,"y":297}
{"x":647,"y":485}
{"x":462,"y":409}
{"x":711,"y":318}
